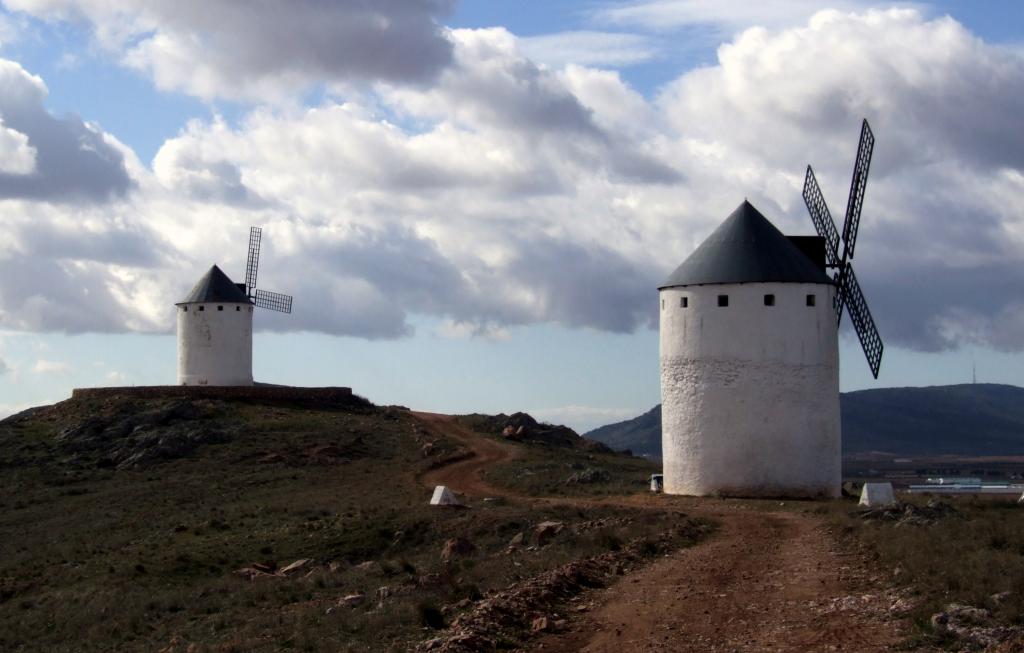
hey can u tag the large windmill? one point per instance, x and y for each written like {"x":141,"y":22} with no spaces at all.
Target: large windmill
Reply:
{"x":215,"y":324}
{"x":848,"y":290}
{"x":749,"y":378}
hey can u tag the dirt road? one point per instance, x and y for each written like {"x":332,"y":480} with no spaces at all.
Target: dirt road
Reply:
{"x":464,"y":477}
{"x":766,"y":581}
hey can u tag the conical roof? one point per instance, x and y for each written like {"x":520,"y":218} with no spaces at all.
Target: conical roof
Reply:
{"x":215,"y":287}
{"x":746,"y":248}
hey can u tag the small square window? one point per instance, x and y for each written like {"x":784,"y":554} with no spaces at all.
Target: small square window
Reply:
{"x":769,"y":300}
{"x":238,"y":308}
{"x":684,"y":302}
{"x":810,"y":300}
{"x":185,"y":308}
{"x":202,"y":308}
{"x":723,"y":300}
{"x":220,"y":308}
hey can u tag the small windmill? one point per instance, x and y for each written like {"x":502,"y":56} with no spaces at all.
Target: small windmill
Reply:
{"x":848,"y":291}
{"x":215,"y":324}
{"x":262,"y":298}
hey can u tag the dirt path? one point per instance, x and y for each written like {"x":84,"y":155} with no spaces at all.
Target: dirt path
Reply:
{"x":463,"y":477}
{"x":766,"y":581}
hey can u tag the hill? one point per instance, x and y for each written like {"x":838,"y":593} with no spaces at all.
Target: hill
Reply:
{"x":196,"y":524}
{"x":970,"y":420}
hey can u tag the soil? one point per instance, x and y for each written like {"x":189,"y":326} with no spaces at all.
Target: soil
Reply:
{"x":767,"y":580}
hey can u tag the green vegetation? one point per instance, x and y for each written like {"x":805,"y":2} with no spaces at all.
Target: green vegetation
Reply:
{"x":126,"y":533}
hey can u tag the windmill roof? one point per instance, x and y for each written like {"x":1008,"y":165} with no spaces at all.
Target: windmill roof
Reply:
{"x":746,"y":248}
{"x":215,"y":286}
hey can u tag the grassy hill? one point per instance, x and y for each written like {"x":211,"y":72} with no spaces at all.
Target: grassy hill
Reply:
{"x":972,"y":420}
{"x":158,"y":524}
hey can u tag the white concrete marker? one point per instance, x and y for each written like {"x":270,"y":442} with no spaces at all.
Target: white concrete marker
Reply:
{"x":657,"y":482}
{"x":875,"y":495}
{"x":443,"y":497}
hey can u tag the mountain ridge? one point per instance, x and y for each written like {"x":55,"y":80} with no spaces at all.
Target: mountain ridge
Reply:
{"x":965,"y":419}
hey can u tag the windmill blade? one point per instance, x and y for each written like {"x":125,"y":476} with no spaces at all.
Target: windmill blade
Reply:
{"x":252,"y":262}
{"x":273,"y":300}
{"x":863,"y":323}
{"x":840,"y":298}
{"x":821,"y":218}
{"x":857,"y":187}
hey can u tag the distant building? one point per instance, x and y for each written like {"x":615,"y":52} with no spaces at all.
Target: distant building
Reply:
{"x":215,"y":333}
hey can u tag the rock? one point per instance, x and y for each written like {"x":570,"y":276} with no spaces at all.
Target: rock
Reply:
{"x":430,"y":580}
{"x":1000,"y":598}
{"x":457,"y":546}
{"x":369,"y":567}
{"x":540,"y":625}
{"x":250,"y":574}
{"x":382,"y":594}
{"x":427,"y":450}
{"x":352,"y":600}
{"x":295,"y":567}
{"x":517,"y":540}
{"x":588,"y":476}
{"x":546,"y":530}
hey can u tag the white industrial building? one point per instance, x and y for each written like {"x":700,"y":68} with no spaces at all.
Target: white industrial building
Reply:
{"x":750,"y":366}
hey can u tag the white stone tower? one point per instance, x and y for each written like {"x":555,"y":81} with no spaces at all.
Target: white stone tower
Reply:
{"x":215,"y":324}
{"x":750,"y":366}
{"x":215,"y":333}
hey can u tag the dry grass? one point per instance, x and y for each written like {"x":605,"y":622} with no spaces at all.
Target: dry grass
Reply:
{"x":94,"y":558}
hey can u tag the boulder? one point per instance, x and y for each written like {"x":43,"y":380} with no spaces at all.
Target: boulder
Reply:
{"x":874,"y":495}
{"x":546,"y":530}
{"x":295,"y":567}
{"x":457,"y":546}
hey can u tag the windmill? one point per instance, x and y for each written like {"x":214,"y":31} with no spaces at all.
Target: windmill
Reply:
{"x":848,"y":293}
{"x":262,"y":298}
{"x":215,"y":324}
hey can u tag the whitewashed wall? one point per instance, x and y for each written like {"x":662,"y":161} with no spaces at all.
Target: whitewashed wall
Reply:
{"x":750,"y":393}
{"x":215,"y":347}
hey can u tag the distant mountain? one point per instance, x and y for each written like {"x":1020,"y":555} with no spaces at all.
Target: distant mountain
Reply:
{"x":976,"y":420}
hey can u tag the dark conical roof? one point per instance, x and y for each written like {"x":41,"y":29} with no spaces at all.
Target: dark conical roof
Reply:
{"x":746,"y":248}
{"x":215,"y":286}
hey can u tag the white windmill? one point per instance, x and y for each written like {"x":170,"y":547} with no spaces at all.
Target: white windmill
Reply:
{"x":750,"y":355}
{"x":215,"y":324}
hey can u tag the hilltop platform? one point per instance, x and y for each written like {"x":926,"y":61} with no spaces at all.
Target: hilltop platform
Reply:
{"x":256,"y":392}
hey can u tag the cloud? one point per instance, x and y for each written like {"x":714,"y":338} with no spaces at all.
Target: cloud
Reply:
{"x":52,"y":159}
{"x":224,"y":48}
{"x":4,"y":368}
{"x":510,"y":193}
{"x":590,"y":48}
{"x":725,"y":15}
{"x":17,"y":157}
{"x":50,"y":367}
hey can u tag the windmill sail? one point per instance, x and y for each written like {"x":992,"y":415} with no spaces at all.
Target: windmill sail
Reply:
{"x":863,"y":323}
{"x":272,"y":300}
{"x":857,"y":187}
{"x":821,"y":218}
{"x":848,"y":292}
{"x":252,"y":262}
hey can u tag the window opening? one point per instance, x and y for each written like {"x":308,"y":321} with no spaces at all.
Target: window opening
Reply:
{"x":810,"y":300}
{"x":723,"y":300}
{"x":684,"y":302}
{"x":769,"y":300}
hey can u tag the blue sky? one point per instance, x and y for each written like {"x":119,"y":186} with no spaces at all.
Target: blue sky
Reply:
{"x":482,"y":227}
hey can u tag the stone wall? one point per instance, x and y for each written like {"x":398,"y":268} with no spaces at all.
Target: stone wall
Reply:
{"x":259,"y":392}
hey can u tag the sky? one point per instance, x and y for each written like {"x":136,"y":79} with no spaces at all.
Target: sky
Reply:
{"x":473,"y":202}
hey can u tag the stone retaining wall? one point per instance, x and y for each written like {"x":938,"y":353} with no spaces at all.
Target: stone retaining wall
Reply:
{"x":260,"y":392}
